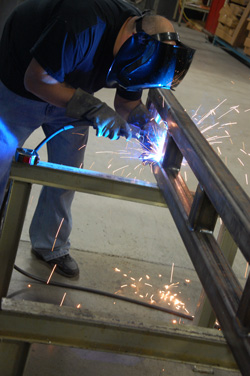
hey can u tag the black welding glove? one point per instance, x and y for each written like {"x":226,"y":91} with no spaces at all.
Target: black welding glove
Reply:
{"x":151,"y":133}
{"x":142,"y":118}
{"x":105,"y":120}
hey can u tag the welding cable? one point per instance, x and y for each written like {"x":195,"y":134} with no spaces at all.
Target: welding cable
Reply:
{"x":104,"y":293}
{"x":65,"y":128}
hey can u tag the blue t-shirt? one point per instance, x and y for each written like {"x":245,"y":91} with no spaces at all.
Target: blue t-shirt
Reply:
{"x":72,"y":40}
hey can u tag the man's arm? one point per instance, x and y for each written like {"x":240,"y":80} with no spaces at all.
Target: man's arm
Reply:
{"x":38,"y":82}
{"x":124,"y":106}
{"x":134,"y":112}
{"x":77,"y":103}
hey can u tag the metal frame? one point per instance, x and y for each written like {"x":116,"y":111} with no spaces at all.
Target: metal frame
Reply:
{"x":60,"y":176}
{"x":204,"y":315}
{"x":46,"y":323}
{"x":19,"y":320}
{"x":218,"y":193}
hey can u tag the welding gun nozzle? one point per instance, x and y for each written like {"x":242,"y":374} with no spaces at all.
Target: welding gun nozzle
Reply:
{"x":137,"y":132}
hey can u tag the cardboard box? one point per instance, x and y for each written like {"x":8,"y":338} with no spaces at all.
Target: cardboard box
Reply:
{"x":240,"y":2}
{"x":247,"y":50}
{"x":219,"y":32}
{"x":225,"y":29}
{"x":225,"y":10}
{"x":247,"y":42}
{"x":236,"y":9}
{"x":230,"y":21}
{"x":227,"y":17}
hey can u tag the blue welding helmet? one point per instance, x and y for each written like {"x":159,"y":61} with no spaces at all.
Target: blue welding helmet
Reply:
{"x":145,"y":61}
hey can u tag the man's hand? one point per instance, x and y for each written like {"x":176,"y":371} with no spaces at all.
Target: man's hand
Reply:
{"x":108,"y":123}
{"x":153,"y":134}
{"x":140,"y":116}
{"x":105,"y":120}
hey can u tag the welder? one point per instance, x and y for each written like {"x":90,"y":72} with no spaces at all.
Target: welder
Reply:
{"x":54,"y":55}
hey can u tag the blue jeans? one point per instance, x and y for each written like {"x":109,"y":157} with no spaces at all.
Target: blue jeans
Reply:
{"x":19,"y":117}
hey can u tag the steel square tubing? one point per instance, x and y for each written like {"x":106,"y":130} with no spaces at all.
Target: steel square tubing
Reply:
{"x":50,"y":324}
{"x":11,"y":231}
{"x":228,"y":198}
{"x":217,"y":277}
{"x":60,"y":176}
{"x":93,"y":182}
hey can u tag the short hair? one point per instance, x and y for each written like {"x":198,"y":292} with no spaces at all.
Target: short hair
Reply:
{"x":153,"y":24}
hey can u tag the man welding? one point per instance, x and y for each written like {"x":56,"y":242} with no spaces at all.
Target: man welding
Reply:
{"x":54,"y":55}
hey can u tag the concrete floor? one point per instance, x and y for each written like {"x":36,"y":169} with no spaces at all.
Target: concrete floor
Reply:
{"x":138,"y":239}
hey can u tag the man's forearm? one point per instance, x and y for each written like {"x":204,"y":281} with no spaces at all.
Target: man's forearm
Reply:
{"x":45,"y":87}
{"x":124,"y":106}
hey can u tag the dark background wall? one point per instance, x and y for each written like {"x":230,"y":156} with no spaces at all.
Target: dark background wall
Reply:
{"x":164,"y":7}
{"x":167,"y":8}
{"x":6,"y":7}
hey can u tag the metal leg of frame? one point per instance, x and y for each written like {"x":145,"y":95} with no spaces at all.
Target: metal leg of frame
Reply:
{"x":205,"y":315}
{"x":13,"y":355}
{"x":11,"y":231}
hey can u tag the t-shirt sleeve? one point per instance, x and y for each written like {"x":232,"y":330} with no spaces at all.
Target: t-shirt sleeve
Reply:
{"x":130,"y":95}
{"x":56,"y":51}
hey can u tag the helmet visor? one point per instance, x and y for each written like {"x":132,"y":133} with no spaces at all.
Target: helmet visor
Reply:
{"x":144,"y":62}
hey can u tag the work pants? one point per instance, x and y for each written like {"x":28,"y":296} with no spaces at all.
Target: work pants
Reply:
{"x":19,"y":117}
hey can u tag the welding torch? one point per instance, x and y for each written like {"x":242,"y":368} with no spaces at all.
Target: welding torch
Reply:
{"x":31,"y":156}
{"x":142,"y":126}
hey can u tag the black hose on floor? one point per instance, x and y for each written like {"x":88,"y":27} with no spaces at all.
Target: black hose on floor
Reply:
{"x":104,"y":293}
